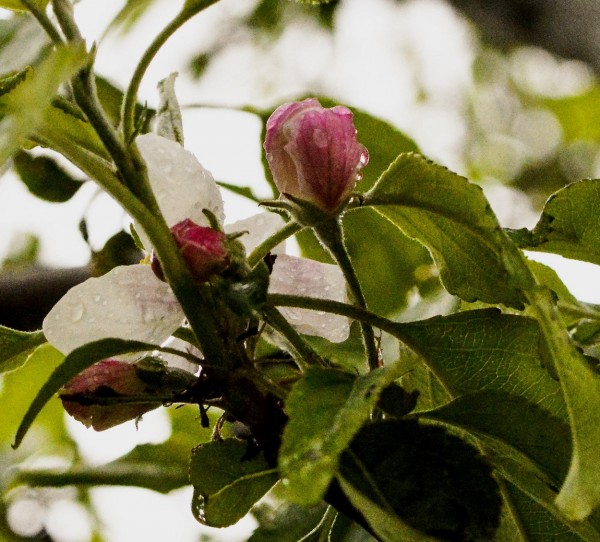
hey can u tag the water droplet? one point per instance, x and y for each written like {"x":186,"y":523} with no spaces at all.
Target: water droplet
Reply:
{"x":269,"y":156}
{"x":364,"y":158}
{"x":137,"y":295}
{"x":91,"y":320}
{"x":321,"y":139}
{"x":57,"y":317}
{"x":97,"y":298}
{"x":77,"y":313}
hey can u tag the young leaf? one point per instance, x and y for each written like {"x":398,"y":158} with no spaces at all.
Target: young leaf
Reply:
{"x":431,"y":480}
{"x":17,"y":5}
{"x":452,"y":218}
{"x":168,"y":121}
{"x":569,"y":224}
{"x":78,"y":360}
{"x":24,"y":107}
{"x":226,"y":482}
{"x":326,"y":409}
{"x":45,"y":178}
{"x":16,"y":346}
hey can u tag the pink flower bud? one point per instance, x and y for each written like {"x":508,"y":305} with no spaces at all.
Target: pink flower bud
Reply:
{"x":313,"y":152}
{"x":106,"y":379}
{"x":204,"y":249}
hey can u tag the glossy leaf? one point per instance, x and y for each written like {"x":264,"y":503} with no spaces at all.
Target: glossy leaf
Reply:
{"x":452,"y":218}
{"x":16,"y":346}
{"x":569,"y":224}
{"x":227,"y":483}
{"x":431,"y":480}
{"x":78,"y":360}
{"x":326,"y":409}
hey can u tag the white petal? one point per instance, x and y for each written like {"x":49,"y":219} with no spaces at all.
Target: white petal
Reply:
{"x":129,"y":302}
{"x":259,"y":227}
{"x":300,"y":276}
{"x":181,"y":185}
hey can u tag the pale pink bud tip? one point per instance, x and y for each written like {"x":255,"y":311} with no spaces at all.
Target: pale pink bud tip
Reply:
{"x":205,"y":250}
{"x":313,"y":152}
{"x":107,"y":378}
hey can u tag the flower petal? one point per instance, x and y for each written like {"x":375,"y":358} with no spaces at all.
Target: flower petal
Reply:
{"x":129,"y":302}
{"x":183,"y":188}
{"x":301,"y":276}
{"x":259,"y":228}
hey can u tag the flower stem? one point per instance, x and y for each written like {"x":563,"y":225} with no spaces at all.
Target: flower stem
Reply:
{"x":130,"y":99}
{"x":304,"y":355}
{"x":271,"y":242}
{"x":330,"y":234}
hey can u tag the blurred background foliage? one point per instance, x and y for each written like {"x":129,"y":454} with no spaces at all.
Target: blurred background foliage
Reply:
{"x":517,"y":111}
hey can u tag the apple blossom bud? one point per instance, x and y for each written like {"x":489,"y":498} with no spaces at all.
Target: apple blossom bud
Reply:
{"x":313,"y":153}
{"x":205,"y":250}
{"x":82,"y":395}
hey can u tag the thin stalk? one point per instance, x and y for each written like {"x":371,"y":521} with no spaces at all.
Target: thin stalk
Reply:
{"x":43,"y":19}
{"x":330,"y":234}
{"x":304,"y":355}
{"x":271,"y":242}
{"x":130,"y":99}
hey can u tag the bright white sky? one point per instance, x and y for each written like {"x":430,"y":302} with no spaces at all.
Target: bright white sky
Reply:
{"x":371,"y":70}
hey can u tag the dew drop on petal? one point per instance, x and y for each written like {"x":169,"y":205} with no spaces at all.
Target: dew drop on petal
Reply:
{"x":77,"y":313}
{"x":97,"y":298}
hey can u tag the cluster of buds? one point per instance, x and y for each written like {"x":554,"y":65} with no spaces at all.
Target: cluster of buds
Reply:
{"x":313,"y":153}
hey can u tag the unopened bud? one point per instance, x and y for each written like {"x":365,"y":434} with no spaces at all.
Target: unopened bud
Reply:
{"x":313,"y":153}
{"x":205,"y":250}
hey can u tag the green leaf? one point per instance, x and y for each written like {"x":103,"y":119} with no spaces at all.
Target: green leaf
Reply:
{"x":78,"y":360}
{"x":17,"y":5}
{"x":326,"y":408}
{"x":514,"y":421}
{"x":452,"y":218}
{"x":226,"y":482}
{"x":45,"y":178}
{"x":16,"y":347}
{"x":120,"y":249}
{"x":281,"y":521}
{"x":387,"y":526}
{"x":431,"y":480}
{"x":536,"y":524}
{"x":24,"y":108}
{"x":15,"y":397}
{"x":486,"y":350}
{"x":569,"y":224}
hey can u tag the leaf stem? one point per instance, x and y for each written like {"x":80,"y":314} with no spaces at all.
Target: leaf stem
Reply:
{"x":304,"y":355}
{"x":130,"y":99}
{"x":44,"y":21}
{"x":330,"y":234}
{"x":271,"y":242}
